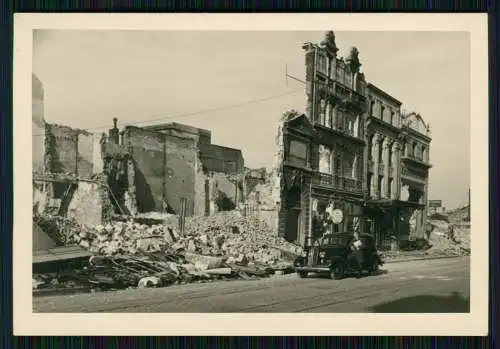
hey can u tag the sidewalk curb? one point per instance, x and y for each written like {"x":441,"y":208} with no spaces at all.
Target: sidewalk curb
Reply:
{"x":422,"y":259}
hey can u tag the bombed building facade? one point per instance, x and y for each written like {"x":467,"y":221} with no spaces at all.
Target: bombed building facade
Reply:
{"x":354,"y":153}
{"x":169,"y":168}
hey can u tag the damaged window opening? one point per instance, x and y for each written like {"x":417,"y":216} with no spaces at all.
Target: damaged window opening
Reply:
{"x":59,"y":189}
{"x":297,"y":153}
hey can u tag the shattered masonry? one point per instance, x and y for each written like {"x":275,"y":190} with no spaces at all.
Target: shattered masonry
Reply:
{"x":153,"y":168}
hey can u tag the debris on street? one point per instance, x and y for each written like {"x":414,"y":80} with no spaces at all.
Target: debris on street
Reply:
{"x":227,"y":245}
{"x":449,"y":235}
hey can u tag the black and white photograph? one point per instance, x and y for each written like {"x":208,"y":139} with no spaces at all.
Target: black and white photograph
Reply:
{"x":325,"y":170}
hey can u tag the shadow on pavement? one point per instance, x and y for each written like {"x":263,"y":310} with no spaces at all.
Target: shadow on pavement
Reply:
{"x":426,"y":304}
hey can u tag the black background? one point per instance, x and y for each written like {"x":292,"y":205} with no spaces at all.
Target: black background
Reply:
{"x":7,"y":10}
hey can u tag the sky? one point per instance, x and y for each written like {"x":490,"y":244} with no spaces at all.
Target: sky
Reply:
{"x":233,"y":83}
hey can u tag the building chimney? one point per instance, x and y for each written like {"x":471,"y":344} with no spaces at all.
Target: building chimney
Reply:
{"x":114,"y":133}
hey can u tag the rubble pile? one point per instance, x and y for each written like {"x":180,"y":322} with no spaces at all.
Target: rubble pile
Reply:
{"x":444,"y":243}
{"x":57,"y":228}
{"x":226,"y":245}
{"x":459,"y":215}
{"x":236,"y":236}
{"x":128,"y":238}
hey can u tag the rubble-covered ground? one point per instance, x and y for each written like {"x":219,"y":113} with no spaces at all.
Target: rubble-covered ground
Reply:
{"x":132,"y":254}
{"x":440,"y":241}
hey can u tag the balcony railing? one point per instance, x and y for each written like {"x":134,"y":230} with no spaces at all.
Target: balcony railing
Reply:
{"x":420,"y":159}
{"x":339,"y":127}
{"x":338,"y":182}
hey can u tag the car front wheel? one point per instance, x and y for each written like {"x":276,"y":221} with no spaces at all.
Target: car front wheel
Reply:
{"x":337,"y":272}
{"x":374,"y":269}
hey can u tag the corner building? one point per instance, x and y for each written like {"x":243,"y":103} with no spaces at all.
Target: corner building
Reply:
{"x":354,"y":150}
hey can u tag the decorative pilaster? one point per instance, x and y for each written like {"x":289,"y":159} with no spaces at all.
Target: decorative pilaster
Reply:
{"x":396,"y":163}
{"x":322,"y":111}
{"x":335,"y":118}
{"x":365,"y":186}
{"x":375,"y":151}
{"x":385,"y":156}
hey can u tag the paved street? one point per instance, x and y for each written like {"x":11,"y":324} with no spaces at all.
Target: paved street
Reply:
{"x":417,"y":286}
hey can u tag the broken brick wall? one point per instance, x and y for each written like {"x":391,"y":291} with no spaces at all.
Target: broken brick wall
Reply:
{"x":68,"y":150}
{"x":181,"y":168}
{"x":261,"y":196}
{"x":226,"y":191}
{"x":40,"y":197}
{"x":167,"y":169}
{"x":90,"y":204}
{"x":221,"y":159}
{"x":147,"y":150}
{"x":190,"y":141}
{"x":201,"y":190}
{"x":61,"y":149}
{"x":85,"y":154}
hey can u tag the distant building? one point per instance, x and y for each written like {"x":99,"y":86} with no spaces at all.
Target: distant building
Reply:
{"x":353,"y":151}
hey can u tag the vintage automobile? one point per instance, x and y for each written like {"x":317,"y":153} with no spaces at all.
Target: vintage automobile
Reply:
{"x":333,"y":255}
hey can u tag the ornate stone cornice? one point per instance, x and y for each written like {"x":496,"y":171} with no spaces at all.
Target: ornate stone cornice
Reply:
{"x":353,"y":60}
{"x":329,"y":44}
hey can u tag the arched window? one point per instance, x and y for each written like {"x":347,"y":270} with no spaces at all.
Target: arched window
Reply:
{"x":414,"y":150}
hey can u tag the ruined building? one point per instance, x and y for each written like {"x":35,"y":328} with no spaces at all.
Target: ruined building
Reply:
{"x":65,"y":168}
{"x":171,"y":168}
{"x":161,"y":168}
{"x":353,"y":152}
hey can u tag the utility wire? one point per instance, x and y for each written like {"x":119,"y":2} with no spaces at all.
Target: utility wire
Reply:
{"x":201,"y":111}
